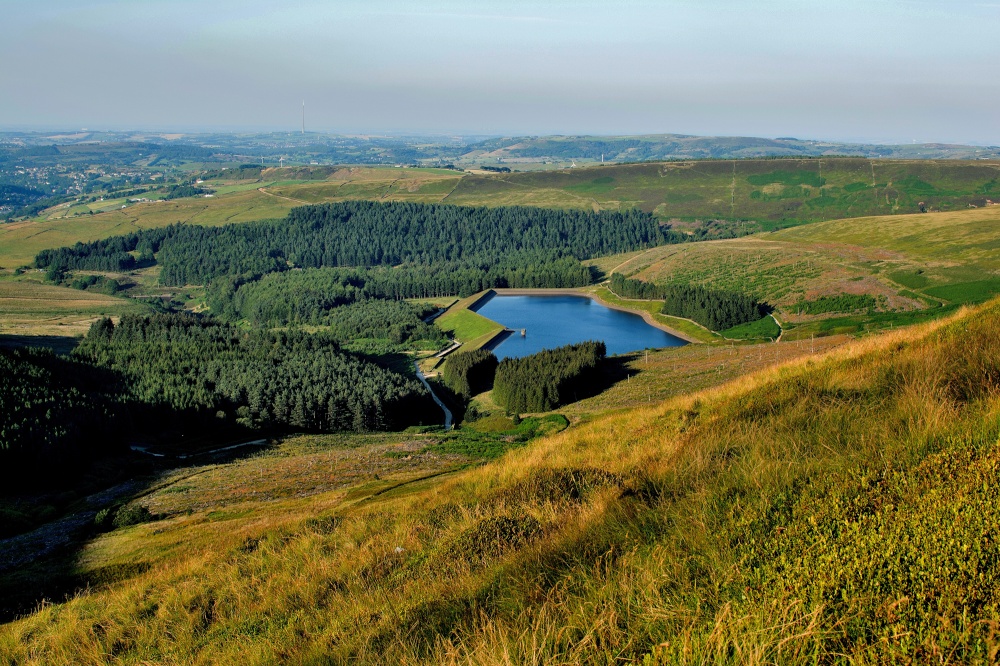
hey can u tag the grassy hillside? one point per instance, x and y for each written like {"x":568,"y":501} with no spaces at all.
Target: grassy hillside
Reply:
{"x":29,"y":307}
{"x":767,"y":192}
{"x":908,"y":264}
{"x":530,"y":151}
{"x":21,"y":241}
{"x":390,"y":184}
{"x":470,"y":328}
{"x":942,"y":241}
{"x":748,"y":523}
{"x":771,"y":192}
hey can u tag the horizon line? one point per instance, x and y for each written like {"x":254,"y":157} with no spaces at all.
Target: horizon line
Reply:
{"x":258,"y":129}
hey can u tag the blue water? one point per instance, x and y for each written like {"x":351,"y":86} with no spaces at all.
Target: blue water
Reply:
{"x":554,"y":321}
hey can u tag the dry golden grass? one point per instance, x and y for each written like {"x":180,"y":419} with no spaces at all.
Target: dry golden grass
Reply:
{"x":304,"y":466}
{"x":28,"y":307}
{"x":957,"y":238}
{"x":627,"y":539}
{"x":21,"y":241}
{"x":668,"y":373}
{"x":780,"y":272}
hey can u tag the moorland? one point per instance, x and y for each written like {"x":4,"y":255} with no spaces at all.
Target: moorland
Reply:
{"x":217,"y":442}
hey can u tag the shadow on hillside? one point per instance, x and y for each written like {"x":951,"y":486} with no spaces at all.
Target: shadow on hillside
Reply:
{"x":58,"y":344}
{"x":612,"y":370}
{"x":44,"y":530}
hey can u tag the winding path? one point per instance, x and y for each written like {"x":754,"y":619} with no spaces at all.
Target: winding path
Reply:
{"x":447,"y":412}
{"x":264,"y":190}
{"x":781,"y":329}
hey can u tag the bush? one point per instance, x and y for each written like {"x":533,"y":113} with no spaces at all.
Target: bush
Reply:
{"x":103,"y":519}
{"x":96,"y":283}
{"x":116,"y":516}
{"x":132,"y":514}
{"x":492,"y":537}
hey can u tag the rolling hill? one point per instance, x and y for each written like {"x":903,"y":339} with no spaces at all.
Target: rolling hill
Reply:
{"x":908,"y":265}
{"x":520,"y":150}
{"x":744,"y":195}
{"x":744,"y":523}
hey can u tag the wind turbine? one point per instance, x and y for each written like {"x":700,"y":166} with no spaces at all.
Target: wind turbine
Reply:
{"x":281,"y":161}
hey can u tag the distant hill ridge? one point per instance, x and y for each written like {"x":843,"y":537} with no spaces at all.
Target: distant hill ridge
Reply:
{"x":681,"y":146}
{"x":430,"y":149}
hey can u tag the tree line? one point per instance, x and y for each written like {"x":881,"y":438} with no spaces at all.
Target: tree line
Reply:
{"x":714,"y":309}
{"x":108,"y":254}
{"x":552,"y":377}
{"x":183,"y":190}
{"x":311,"y":296}
{"x":169,"y":374}
{"x":365,"y":233}
{"x":55,"y":413}
{"x":254,"y":378}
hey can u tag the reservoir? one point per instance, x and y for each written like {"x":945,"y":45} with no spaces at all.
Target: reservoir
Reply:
{"x":554,"y":321}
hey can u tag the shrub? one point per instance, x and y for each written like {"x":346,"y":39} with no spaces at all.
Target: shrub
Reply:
{"x":131,"y":514}
{"x":117,"y":515}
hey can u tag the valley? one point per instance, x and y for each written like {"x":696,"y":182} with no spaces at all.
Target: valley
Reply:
{"x":535,"y":333}
{"x":585,"y":504}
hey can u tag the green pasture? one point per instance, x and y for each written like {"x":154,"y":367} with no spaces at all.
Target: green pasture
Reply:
{"x":762,"y":329}
{"x":967,"y":292}
{"x":468,"y":327}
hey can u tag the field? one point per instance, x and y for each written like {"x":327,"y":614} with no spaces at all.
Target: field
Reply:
{"x":746,"y":523}
{"x":954,"y":246}
{"x":764,"y":194}
{"x":28,"y":307}
{"x":771,"y":193}
{"x":417,"y":185}
{"x":21,"y":241}
{"x":470,"y":328}
{"x":641,"y":380}
{"x":906,"y":263}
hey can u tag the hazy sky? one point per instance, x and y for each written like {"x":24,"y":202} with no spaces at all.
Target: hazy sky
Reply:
{"x":881,"y":70}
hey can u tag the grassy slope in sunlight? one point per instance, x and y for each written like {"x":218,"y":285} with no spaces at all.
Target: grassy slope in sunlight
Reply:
{"x":839,"y":507}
